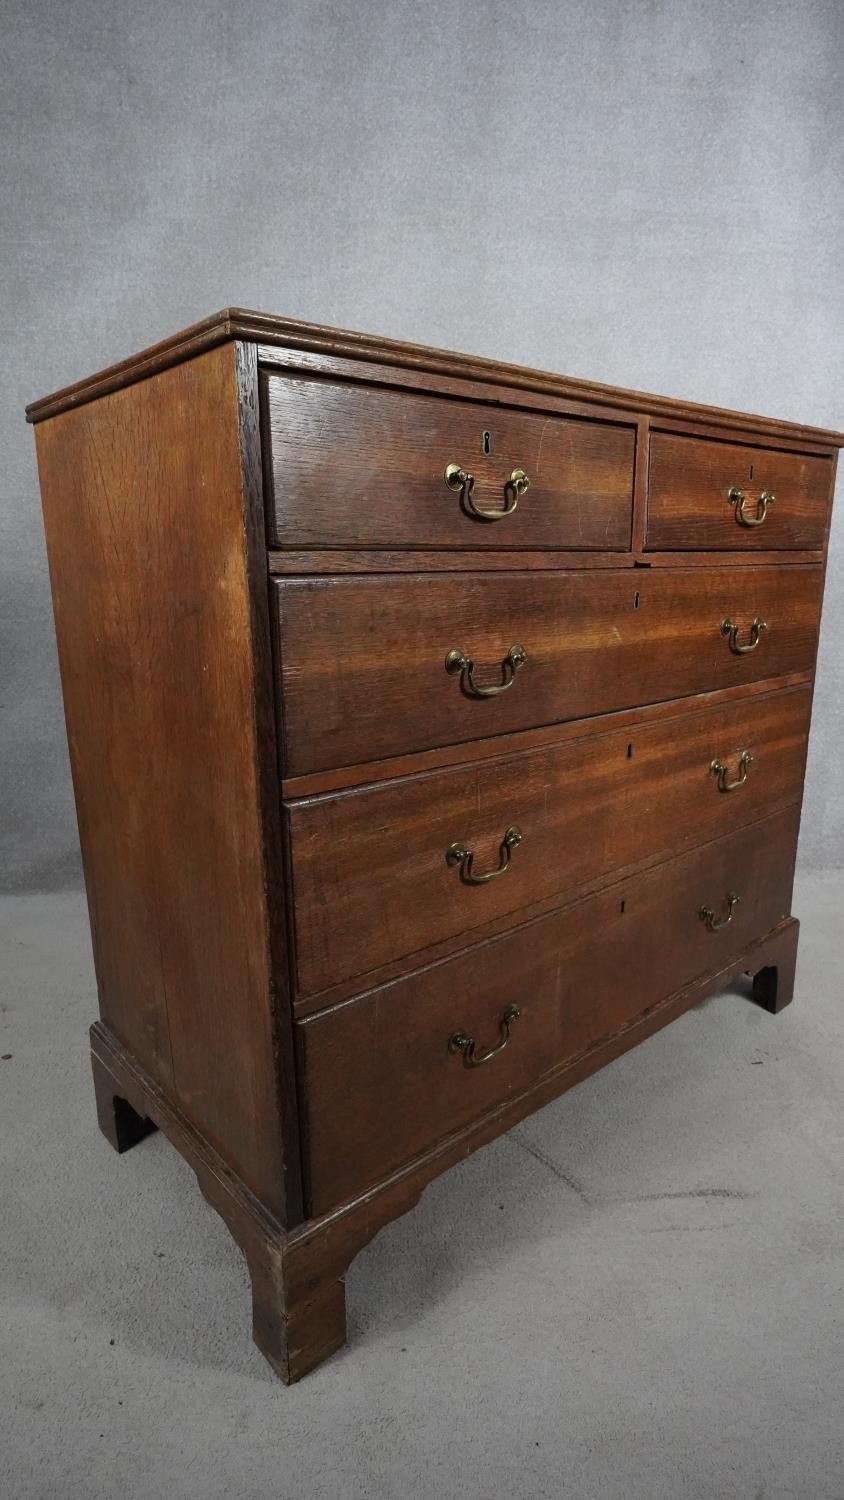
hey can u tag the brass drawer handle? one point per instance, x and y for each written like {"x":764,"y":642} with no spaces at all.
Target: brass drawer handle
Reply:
{"x":713,"y":923}
{"x":731,"y":630}
{"x":460,"y":1042}
{"x":719,"y":769}
{"x":461,"y":854}
{"x":463,"y":483}
{"x":738,"y":498}
{"x":458,"y":661}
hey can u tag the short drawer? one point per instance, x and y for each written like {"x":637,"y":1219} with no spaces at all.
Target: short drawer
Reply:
{"x":353,"y":466}
{"x":388,"y":870}
{"x":382,"y":1078}
{"x":713,"y":495}
{"x":371,"y":667}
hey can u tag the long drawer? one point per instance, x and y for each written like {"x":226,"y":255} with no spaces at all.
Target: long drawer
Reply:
{"x":384,"y":1076}
{"x":354,"y":466}
{"x":385,"y":871}
{"x":715,"y":495}
{"x":379,"y":666}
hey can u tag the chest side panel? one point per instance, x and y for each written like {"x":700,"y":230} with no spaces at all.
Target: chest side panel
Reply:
{"x":148,"y":542}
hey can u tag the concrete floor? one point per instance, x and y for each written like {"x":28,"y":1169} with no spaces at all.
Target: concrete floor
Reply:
{"x":637,"y":1294}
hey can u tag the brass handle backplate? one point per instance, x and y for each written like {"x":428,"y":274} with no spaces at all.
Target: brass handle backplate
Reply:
{"x":462,"y":855}
{"x":713,"y":923}
{"x":722,"y":771}
{"x":463,"y":484}
{"x":458,"y":661}
{"x":731,"y":631}
{"x":738,"y":498}
{"x":460,"y":1042}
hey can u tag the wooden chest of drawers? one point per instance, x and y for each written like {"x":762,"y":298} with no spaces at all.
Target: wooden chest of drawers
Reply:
{"x":438,"y":732}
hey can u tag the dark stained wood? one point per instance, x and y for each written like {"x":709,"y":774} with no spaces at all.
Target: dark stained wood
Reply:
{"x":275,"y":913}
{"x":298,"y":1311}
{"x":200,"y":689}
{"x":474,"y":751}
{"x":298,"y":1276}
{"x":294,"y":562}
{"x":168,"y":743}
{"x":327,"y":560}
{"x":118,"y":1121}
{"x":688,"y":503}
{"x":751,"y":433}
{"x":773,"y":985}
{"x":357,"y":467}
{"x":379,"y":1083}
{"x":640,"y":485}
{"x":331,"y":343}
{"x":370,"y":876}
{"x":696,"y":421}
{"x":727,"y":559}
{"x":363,"y":667}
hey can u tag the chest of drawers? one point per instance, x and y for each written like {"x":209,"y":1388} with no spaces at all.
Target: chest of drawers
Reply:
{"x":437,"y":731}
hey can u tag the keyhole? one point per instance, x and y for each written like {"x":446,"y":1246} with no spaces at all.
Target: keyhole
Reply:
{"x":636,"y":600}
{"x":487,"y":443}
{"x":622,"y":906}
{"x":630,"y":752}
{"x":750,"y":475}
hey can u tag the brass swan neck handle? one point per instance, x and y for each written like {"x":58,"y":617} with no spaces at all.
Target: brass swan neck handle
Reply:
{"x":460,"y":1042}
{"x":721,"y":770}
{"x":458,"y":662}
{"x":462,"y":855}
{"x":731,"y":631}
{"x":462,"y":483}
{"x":713,"y":923}
{"x":737,"y":497}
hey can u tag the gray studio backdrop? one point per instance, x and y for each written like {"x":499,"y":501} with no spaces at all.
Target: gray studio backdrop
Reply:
{"x":647,"y":193}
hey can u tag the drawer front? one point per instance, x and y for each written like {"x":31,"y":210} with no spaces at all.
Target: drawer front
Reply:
{"x":712,"y":495}
{"x":372,"y":874}
{"x":379,"y":1082}
{"x":358,"y":467}
{"x":364,"y":660}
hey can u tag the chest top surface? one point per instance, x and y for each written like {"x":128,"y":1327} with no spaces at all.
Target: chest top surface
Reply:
{"x":319,"y":340}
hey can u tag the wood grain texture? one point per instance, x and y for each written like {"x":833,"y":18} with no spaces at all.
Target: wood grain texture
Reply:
{"x":298,"y":1301}
{"x":370,"y":876}
{"x":363,"y":659}
{"x":357,"y":467}
{"x":790,"y":558}
{"x":331,"y":344}
{"x":327,"y":561}
{"x":372,"y":1069}
{"x":412,"y":560}
{"x":199,"y":691}
{"x":673,"y":416}
{"x":276,"y":914}
{"x":295,"y":788}
{"x":689,"y":482}
{"x":298,"y":1275}
{"x":150,"y":558}
{"x":640,"y":484}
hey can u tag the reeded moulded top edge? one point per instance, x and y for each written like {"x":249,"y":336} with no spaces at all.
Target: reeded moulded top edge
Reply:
{"x":262,"y":328}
